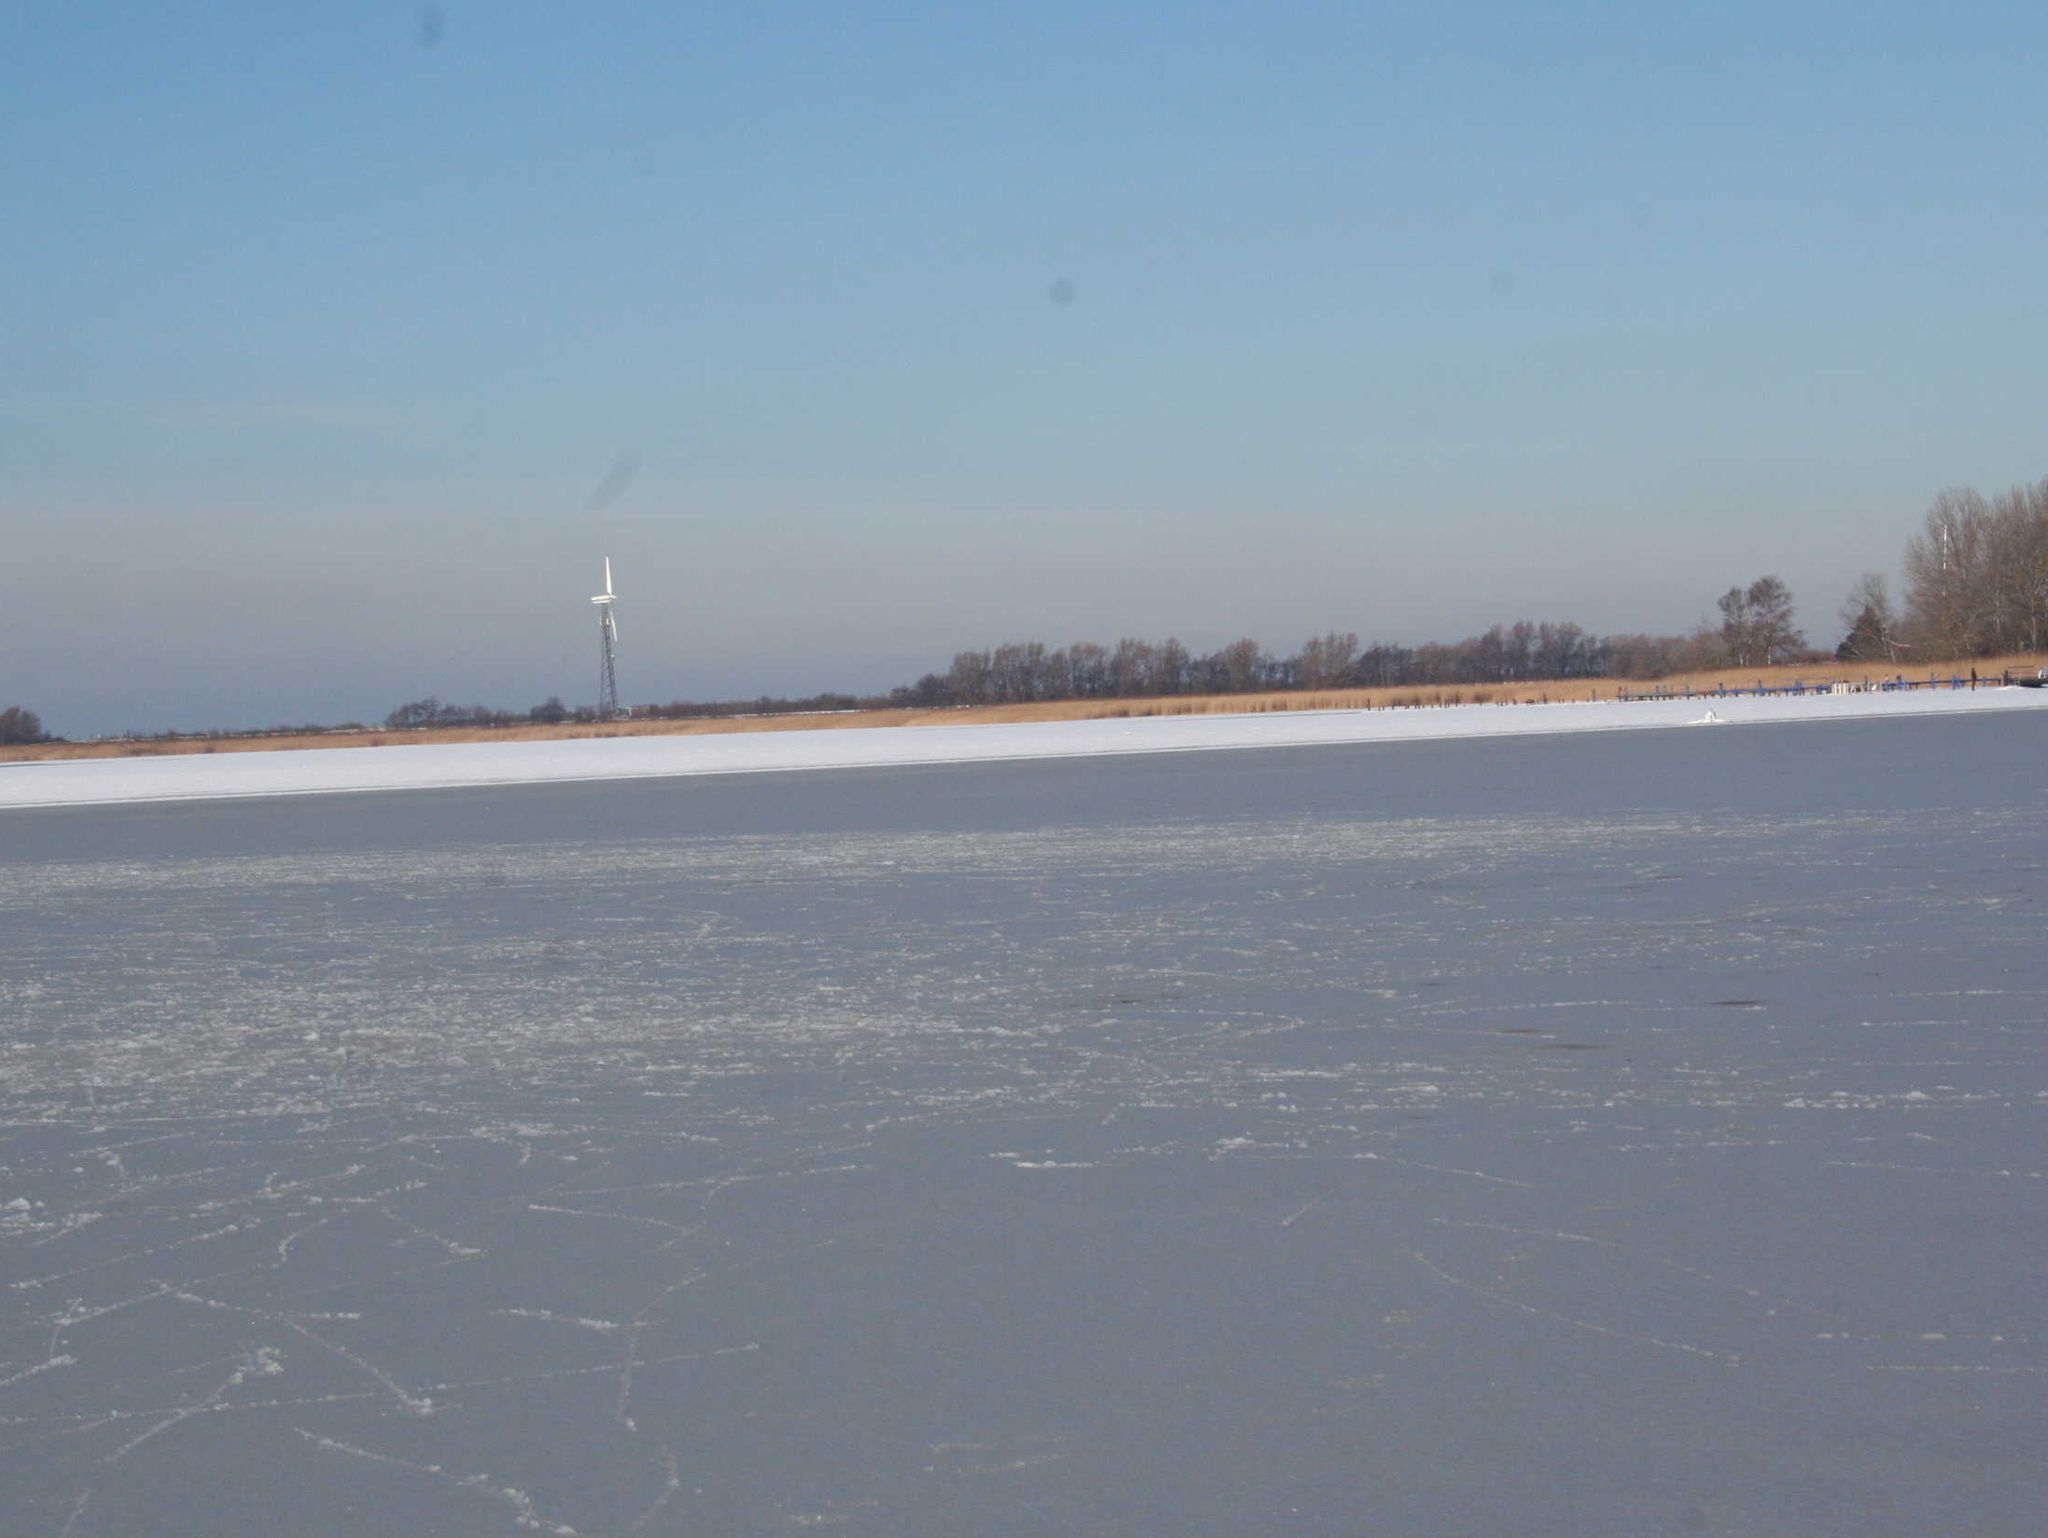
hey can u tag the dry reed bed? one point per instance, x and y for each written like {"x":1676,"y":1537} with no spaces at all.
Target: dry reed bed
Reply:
{"x":1408,"y":696}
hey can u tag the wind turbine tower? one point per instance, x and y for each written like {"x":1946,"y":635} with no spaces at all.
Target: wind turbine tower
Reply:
{"x":608,"y":646}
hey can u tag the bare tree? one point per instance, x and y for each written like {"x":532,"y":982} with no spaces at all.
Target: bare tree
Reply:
{"x":1381,"y":664}
{"x":968,"y":681}
{"x":1737,"y":632}
{"x":1484,"y":659}
{"x":1756,"y":623}
{"x":1326,"y":661}
{"x":1977,"y":574}
{"x":1243,"y":665}
{"x":2017,"y":568}
{"x":1088,"y":671}
{"x":1561,"y":650}
{"x":1948,"y":577}
{"x":1770,"y":608}
{"x":1174,"y":665}
{"x":1019,"y":671}
{"x":1871,"y":624}
{"x":1133,"y":668}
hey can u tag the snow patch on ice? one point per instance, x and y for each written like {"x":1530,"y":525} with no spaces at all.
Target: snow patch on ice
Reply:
{"x":314,"y":771}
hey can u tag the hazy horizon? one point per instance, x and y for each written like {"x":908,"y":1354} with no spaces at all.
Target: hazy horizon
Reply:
{"x":350,"y":343}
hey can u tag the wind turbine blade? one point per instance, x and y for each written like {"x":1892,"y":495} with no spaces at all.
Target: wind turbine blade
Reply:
{"x":607,"y":576}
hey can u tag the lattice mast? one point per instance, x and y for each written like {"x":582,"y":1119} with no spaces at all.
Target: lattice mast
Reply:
{"x":608,"y":647}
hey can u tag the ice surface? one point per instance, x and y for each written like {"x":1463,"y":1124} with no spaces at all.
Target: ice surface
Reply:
{"x":1599,"y":1135}
{"x":312,"y":770}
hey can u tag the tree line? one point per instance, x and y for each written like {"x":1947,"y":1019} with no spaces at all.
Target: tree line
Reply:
{"x":1976,"y":585}
{"x":418,"y":714}
{"x":1756,"y":628}
{"x":1021,"y":671}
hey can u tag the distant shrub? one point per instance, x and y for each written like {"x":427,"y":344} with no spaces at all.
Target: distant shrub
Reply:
{"x":20,"y":726}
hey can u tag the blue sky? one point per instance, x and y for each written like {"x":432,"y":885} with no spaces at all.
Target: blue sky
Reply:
{"x":930,"y":327}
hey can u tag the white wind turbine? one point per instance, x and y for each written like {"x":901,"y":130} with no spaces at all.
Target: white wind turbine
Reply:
{"x":608,"y":643}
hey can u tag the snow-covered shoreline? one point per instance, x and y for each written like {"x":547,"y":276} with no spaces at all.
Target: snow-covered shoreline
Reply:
{"x":326,"y":771}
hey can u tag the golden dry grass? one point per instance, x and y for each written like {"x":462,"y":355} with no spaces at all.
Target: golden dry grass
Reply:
{"x":1400,"y":696}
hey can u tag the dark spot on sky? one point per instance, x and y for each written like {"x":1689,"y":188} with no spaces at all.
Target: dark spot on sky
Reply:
{"x":617,"y":480}
{"x":1061,"y":292}
{"x":433,"y":26}
{"x":1501,"y":281}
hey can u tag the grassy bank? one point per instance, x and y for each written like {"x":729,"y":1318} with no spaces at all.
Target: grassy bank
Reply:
{"x":1406,"y":696}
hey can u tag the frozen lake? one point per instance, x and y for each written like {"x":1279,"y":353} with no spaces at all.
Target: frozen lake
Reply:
{"x":1615,"y":1134}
